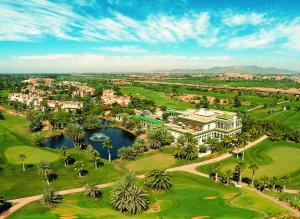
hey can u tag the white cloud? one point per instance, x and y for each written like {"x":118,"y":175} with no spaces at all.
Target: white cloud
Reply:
{"x":123,"y":49}
{"x":243,"y":19}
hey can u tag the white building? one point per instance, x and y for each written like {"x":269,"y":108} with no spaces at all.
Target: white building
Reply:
{"x":204,"y":124}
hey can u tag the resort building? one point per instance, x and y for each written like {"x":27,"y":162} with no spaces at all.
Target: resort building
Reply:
{"x":83,"y":90}
{"x":109,"y":98}
{"x":204,"y":124}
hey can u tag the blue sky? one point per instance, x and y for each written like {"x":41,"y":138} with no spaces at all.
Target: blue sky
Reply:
{"x":143,"y":35}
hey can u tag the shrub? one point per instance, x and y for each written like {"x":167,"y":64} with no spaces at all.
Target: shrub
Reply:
{"x":203,"y":149}
{"x":39,"y":140}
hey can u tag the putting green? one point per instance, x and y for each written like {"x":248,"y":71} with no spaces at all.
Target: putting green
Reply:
{"x":33,"y":155}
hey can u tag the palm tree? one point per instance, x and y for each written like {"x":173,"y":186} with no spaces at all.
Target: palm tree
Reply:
{"x":227,"y":176}
{"x":22,"y":158}
{"x":274,"y":181}
{"x":78,"y":167}
{"x":50,"y":198}
{"x":76,"y":133}
{"x":129,"y":197}
{"x":95,"y":158}
{"x":239,"y":168}
{"x":285,"y":179}
{"x":158,"y":179}
{"x":190,"y":151}
{"x":253,"y":167}
{"x":44,"y":170}
{"x":92,"y":191}
{"x":108,"y":145}
{"x":66,"y":155}
{"x":216,"y":170}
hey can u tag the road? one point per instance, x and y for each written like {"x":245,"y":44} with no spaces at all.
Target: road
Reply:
{"x":190,"y":168}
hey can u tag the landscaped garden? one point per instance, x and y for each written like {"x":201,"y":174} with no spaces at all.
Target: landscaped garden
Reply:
{"x":272,"y":158}
{"x":191,"y":196}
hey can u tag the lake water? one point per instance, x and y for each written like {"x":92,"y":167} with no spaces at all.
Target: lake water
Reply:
{"x":119,"y":138}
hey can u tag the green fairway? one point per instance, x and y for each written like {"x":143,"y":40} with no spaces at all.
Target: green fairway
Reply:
{"x":158,"y":97}
{"x":33,"y":155}
{"x":273,"y":158}
{"x":191,"y":196}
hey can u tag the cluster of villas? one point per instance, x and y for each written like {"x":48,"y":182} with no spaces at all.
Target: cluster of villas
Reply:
{"x":36,"y":98}
{"x":203,"y":124}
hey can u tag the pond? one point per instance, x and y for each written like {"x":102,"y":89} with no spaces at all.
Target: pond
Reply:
{"x":119,"y":138}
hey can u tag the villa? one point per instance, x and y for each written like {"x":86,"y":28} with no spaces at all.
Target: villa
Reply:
{"x":109,"y":98}
{"x":204,"y":124}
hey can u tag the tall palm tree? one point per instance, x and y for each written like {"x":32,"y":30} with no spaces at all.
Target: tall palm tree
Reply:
{"x":253,"y":167}
{"x":78,"y":167}
{"x":274,"y":181}
{"x":92,"y":191}
{"x":95,"y":158}
{"x":216,"y":170}
{"x":108,"y":145}
{"x":22,"y":158}
{"x":76,"y":133}
{"x":158,"y":179}
{"x":66,"y":155}
{"x":239,"y":168}
{"x":44,"y":170}
{"x":50,"y":198}
{"x":190,"y":151}
{"x":285,"y":179}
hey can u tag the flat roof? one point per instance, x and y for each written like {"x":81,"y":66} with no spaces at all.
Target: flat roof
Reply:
{"x":148,"y":119}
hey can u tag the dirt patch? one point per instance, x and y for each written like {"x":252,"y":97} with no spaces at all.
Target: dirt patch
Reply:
{"x":200,"y":217}
{"x":67,"y":216}
{"x":191,"y":98}
{"x":154,"y":208}
{"x":230,"y":196}
{"x":263,"y":110}
{"x":210,"y":197}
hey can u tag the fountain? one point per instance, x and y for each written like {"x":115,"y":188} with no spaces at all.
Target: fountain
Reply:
{"x":98,"y":137}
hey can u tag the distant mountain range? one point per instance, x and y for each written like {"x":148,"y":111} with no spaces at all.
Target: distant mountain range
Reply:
{"x":234,"y":69}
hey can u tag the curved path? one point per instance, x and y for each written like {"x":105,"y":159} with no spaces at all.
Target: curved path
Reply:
{"x":190,"y":168}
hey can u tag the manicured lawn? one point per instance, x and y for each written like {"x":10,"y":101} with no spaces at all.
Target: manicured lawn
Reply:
{"x":33,"y":155}
{"x":273,"y":158}
{"x":158,"y":97}
{"x":191,"y":196}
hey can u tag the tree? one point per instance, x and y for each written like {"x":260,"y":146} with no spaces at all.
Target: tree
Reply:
{"x":285,"y":179}
{"x":204,"y":102}
{"x":51,"y":198}
{"x":4,"y":205}
{"x":39,"y":139}
{"x":237,"y":102}
{"x":95,"y":158}
{"x":78,"y":167}
{"x":66,"y":155}
{"x":127,"y":196}
{"x":158,"y":179}
{"x":216,"y":170}
{"x":239,"y":169}
{"x":127,"y":153}
{"x":22,"y":158}
{"x":253,"y":167}
{"x":44,"y":170}
{"x":107,"y":144}
{"x":274,"y":180}
{"x":227,"y":176}
{"x":35,"y":125}
{"x":92,"y":191}
{"x":76,"y":133}
{"x":1,"y":116}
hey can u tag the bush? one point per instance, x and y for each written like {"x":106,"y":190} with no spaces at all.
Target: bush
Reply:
{"x":127,"y":153}
{"x":35,"y":126}
{"x":39,"y":140}
{"x":203,"y":149}
{"x":4,"y":205}
{"x":1,"y":116}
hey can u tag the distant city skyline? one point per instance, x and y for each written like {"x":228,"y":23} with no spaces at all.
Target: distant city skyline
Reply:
{"x":113,"y":35}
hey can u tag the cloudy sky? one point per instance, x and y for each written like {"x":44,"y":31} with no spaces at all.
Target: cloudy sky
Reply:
{"x":143,"y":35}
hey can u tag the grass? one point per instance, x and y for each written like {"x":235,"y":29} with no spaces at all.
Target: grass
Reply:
{"x":273,"y":158}
{"x":159,"y":98}
{"x":191,"y":196}
{"x":33,"y":155}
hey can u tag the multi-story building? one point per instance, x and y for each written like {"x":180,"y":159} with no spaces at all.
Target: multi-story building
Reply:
{"x":109,"y":98}
{"x":204,"y":124}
